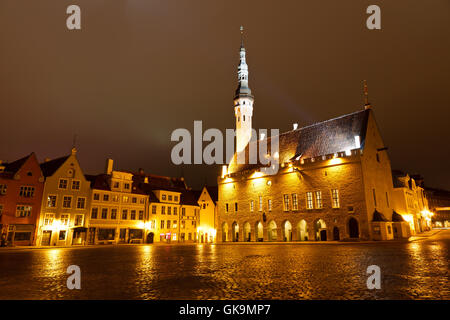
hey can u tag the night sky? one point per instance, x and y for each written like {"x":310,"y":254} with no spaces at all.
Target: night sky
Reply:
{"x":139,"y":69}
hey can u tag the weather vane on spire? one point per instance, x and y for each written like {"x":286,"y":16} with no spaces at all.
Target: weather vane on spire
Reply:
{"x":242,"y":36}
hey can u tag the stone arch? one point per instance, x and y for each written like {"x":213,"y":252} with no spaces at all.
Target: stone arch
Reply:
{"x":224,"y":232}
{"x":272,"y":231}
{"x":302,"y":230}
{"x":287,"y":231}
{"x":320,"y":230}
{"x":259,"y":231}
{"x":247,"y":232}
{"x":353,"y":228}
{"x":235,"y":232}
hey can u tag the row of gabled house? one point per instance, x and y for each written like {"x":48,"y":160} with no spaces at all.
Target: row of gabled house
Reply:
{"x":55,"y":204}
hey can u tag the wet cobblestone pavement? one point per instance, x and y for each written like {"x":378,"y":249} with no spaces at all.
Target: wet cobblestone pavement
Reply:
{"x":409,"y":270}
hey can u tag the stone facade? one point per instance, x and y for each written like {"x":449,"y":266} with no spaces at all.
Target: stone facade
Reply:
{"x":345,"y":187}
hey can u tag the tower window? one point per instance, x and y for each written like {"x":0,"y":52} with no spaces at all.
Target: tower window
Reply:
{"x":243,"y":118}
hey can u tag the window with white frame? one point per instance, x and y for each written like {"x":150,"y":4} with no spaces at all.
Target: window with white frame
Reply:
{"x":294,"y":201}
{"x":67,"y":202}
{"x":62,"y":184}
{"x":23,"y":211}
{"x":76,"y":184}
{"x":318,"y":199}
{"x":51,"y":201}
{"x":94,"y":213}
{"x":335,"y":198}
{"x":286,"y":202}
{"x":65,"y":219}
{"x":104,"y":213}
{"x":81,"y":203}
{"x":309,"y":200}
{"x":78,"y":220}
{"x":48,"y":219}
{"x":26,"y":191}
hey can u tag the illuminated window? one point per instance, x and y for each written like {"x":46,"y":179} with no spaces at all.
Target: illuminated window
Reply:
{"x":124,"y":214}
{"x":174,"y":224}
{"x":78,"y":220}
{"x":23,"y":211}
{"x":294,"y":201}
{"x":318,"y":199}
{"x":65,"y":219}
{"x":153,"y":209}
{"x":115,"y":198}
{"x":335,"y":198}
{"x":269,"y":204}
{"x":81,"y":203}
{"x":48,"y":219}
{"x":62,"y":235}
{"x":164,"y":197}
{"x":114,"y":214}
{"x":309,"y":200}
{"x":67,"y":202}
{"x":260,"y":203}
{"x":183,"y":224}
{"x":252,"y":205}
{"x":76,"y":184}
{"x":62,"y":184}
{"x":105,"y":213}
{"x":125,"y":199}
{"x":51,"y":201}
{"x":27,"y":192}
{"x":142,"y":200}
{"x":94,"y":213}
{"x":286,"y":202}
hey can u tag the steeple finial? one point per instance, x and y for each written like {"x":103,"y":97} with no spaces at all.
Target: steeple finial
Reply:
{"x":366,"y":95}
{"x":242,"y":36}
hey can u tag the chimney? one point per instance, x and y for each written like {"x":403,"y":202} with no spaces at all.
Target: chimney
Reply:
{"x":109,"y":166}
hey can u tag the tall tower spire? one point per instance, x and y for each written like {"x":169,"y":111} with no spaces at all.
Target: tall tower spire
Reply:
{"x":243,"y":102}
{"x":366,"y":96}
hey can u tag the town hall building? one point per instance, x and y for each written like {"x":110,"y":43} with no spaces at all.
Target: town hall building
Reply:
{"x":334,"y":180}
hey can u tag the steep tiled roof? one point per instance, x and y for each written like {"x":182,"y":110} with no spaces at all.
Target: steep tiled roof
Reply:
{"x":12,"y":167}
{"x":103,"y":182}
{"x":49,"y":168}
{"x":190,"y":197}
{"x":323,"y":138}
